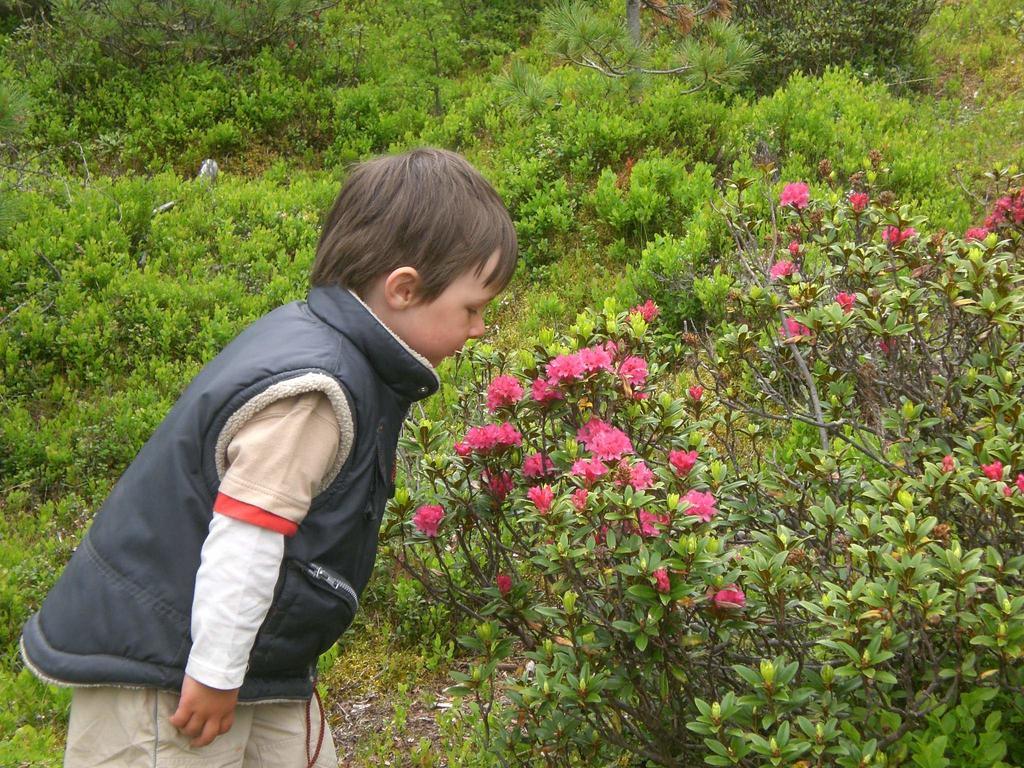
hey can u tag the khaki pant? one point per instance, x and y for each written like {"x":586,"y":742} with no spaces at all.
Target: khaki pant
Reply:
{"x":130,"y":728}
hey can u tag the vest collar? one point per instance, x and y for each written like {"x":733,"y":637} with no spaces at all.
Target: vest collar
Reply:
{"x":405,"y":371}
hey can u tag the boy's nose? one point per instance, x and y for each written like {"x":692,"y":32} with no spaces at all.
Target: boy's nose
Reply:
{"x":477,"y":329}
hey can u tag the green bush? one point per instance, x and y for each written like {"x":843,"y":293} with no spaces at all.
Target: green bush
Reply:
{"x":812,"y":554}
{"x":811,"y":35}
{"x":838,"y":117}
{"x":187,"y":30}
{"x":682,"y":274}
{"x":651,"y":196}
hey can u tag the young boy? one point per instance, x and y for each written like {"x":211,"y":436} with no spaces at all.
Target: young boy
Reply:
{"x":233,"y":550}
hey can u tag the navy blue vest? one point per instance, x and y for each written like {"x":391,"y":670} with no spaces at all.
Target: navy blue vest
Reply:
{"x":120,"y":613}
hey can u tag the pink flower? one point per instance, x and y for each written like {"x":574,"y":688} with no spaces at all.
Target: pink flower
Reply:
{"x":696,"y":393}
{"x":589,"y":470}
{"x":682,"y":461}
{"x":993,"y":471}
{"x":537,"y":465}
{"x":589,"y":431}
{"x":491,"y":438}
{"x":595,"y":359}
{"x":661,"y":582}
{"x":700,"y":505}
{"x":976,"y":233}
{"x":1020,"y":482}
{"x":543,"y":391}
{"x":579,"y":499}
{"x":793,"y":329}
{"x":648,"y":310}
{"x":794,"y":248}
{"x":1000,"y":212}
{"x":781,"y":269}
{"x":649,"y":523}
{"x":503,"y":391}
{"x":604,"y":440}
{"x":730,"y":597}
{"x":610,"y":444}
{"x":427,"y":518}
{"x":1007,"y":490}
{"x":500,"y":484}
{"x":634,"y":371}
{"x":565,"y":368}
{"x":895,"y":236}
{"x":859,"y":201}
{"x":795,"y":194}
{"x":884,"y":346}
{"x":504,"y":584}
{"x":640,"y":476}
{"x":846,"y":301}
{"x":948,"y":464}
{"x":542,"y":496}
{"x":463,"y":449}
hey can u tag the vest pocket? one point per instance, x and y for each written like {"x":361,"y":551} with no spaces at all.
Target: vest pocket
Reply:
{"x":314,"y":607}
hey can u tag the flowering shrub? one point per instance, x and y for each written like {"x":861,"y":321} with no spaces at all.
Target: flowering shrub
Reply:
{"x":809,"y":556}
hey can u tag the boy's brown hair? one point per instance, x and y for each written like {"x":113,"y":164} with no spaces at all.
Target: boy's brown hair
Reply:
{"x":428,"y":209}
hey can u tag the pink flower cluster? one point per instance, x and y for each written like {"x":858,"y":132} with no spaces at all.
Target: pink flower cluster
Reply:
{"x":661,"y":582}
{"x":589,"y":469}
{"x":895,"y":236}
{"x":846,"y":301}
{"x":543,"y":391}
{"x":782,"y":268}
{"x":648,"y":310}
{"x":537,"y":465}
{"x":649,"y":523}
{"x":579,"y":499}
{"x":700,"y":504}
{"x":682,"y":461}
{"x":640,"y":476}
{"x":603,"y":440}
{"x":565,"y":368}
{"x":503,"y":391}
{"x":1019,"y":483}
{"x":577,"y":365}
{"x":633,"y":371}
{"x":993,"y":471}
{"x":859,"y":201}
{"x":796,"y":194}
{"x":504,"y":582}
{"x":427,"y":518}
{"x":793,"y":329}
{"x":499,"y":484}
{"x":975,"y":233}
{"x":1007,"y":209}
{"x":542,"y":497}
{"x":730,"y":597}
{"x":696,"y":393}
{"x":489,"y":438}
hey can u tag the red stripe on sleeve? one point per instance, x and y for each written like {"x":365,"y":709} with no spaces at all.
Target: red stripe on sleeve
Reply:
{"x":247,"y":513}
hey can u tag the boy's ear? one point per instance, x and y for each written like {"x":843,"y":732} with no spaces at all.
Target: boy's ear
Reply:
{"x":402,"y":288}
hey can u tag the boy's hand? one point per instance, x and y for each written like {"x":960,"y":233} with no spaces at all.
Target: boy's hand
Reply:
{"x":204,"y":713}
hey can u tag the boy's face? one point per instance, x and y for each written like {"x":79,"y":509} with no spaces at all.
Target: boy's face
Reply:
{"x":436,"y":329}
